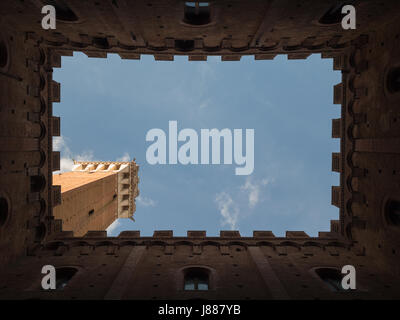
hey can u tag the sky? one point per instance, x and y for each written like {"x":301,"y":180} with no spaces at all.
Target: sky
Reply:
{"x":108,"y":106}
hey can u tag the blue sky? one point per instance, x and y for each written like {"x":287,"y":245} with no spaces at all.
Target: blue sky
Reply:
{"x":108,"y":105}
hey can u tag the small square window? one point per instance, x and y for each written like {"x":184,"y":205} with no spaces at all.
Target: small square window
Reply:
{"x":197,"y":13}
{"x":196,"y":279}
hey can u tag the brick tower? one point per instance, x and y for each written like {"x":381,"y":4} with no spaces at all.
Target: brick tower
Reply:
{"x":95,"y":194}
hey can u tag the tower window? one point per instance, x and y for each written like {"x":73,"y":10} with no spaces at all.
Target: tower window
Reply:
{"x":37,"y":183}
{"x":196,"y":279}
{"x":3,"y":54}
{"x":332,"y":277}
{"x":184,"y":45}
{"x":63,"y":276}
{"x":392,"y":212}
{"x":91,"y":212}
{"x":393,"y":80}
{"x":197,"y":13}
{"x":3,"y":211}
{"x":101,"y":43}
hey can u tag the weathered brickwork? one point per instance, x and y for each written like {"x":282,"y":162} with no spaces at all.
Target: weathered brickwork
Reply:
{"x":259,"y":267}
{"x":242,"y":268}
{"x":92,"y":205}
{"x":96,"y":193}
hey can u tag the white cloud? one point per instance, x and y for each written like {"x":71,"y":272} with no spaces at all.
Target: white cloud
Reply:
{"x":228,"y":209}
{"x":112,"y":228}
{"x":253,"y":189}
{"x":66,"y":164}
{"x":85,"y":156}
{"x":264,"y":182}
{"x":232,"y":210}
{"x":126,"y":157}
{"x":59,"y":143}
{"x":67,"y":156}
{"x":204,"y":104}
{"x":145,"y":202}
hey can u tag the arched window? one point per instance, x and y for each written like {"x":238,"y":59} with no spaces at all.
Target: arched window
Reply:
{"x":196,"y":279}
{"x":197,"y":13}
{"x":332,"y":278}
{"x":63,"y":276}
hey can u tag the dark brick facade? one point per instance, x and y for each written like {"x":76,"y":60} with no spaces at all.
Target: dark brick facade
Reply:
{"x":260,"y":267}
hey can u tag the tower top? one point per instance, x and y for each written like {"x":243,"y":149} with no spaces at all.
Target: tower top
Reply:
{"x":127,"y":181}
{"x":102,"y":166}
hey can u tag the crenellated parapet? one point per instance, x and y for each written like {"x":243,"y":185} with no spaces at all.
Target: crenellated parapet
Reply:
{"x":266,"y":30}
{"x":293,"y":242}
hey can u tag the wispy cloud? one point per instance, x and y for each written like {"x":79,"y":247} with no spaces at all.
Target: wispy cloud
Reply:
{"x":67,"y":156}
{"x":204,"y":104}
{"x":145,"y":202}
{"x":253,"y":189}
{"x":125,"y":157}
{"x":66,"y":162}
{"x":111,"y":230}
{"x":228,"y":210}
{"x":235,"y":205}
